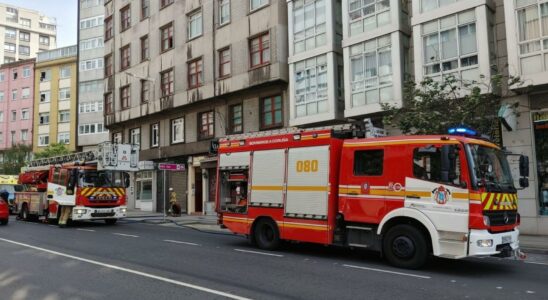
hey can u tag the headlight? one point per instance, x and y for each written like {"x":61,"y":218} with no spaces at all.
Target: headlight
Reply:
{"x":486,"y":221}
{"x":79,"y":211}
{"x":485,"y":243}
{"x":123,"y":210}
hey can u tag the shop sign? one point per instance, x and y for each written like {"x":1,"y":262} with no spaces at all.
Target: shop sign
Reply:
{"x":171,"y":167}
{"x":540,"y":116}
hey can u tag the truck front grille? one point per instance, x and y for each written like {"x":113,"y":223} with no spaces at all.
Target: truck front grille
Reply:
{"x":501,"y":218}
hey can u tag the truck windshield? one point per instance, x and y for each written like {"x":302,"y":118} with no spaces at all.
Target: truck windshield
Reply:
{"x":101,"y":178}
{"x":490,"y":169}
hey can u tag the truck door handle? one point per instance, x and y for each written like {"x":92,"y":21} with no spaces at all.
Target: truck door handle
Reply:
{"x":412,"y":196}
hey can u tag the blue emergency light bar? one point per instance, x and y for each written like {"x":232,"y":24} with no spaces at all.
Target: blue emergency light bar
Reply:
{"x":462,"y":131}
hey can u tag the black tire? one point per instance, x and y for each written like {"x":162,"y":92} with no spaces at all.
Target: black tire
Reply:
{"x":267,"y":235}
{"x":4,"y":221}
{"x":24,"y":214}
{"x":111,"y":221}
{"x":405,"y":246}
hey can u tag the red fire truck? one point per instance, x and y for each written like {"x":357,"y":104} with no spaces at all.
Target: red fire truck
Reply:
{"x":451,"y":195}
{"x":92,"y":183}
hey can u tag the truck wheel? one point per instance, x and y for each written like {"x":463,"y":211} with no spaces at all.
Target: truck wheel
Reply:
{"x":24,"y":214}
{"x":4,"y":221}
{"x":110,"y":221}
{"x":267,"y":235}
{"x":405,"y":247}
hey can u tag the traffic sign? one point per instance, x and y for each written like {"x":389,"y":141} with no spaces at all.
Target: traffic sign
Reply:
{"x":171,"y":167}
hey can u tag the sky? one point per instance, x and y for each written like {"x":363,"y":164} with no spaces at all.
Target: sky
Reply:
{"x":65,"y":11}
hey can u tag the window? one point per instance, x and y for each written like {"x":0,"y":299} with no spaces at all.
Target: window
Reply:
{"x":63,"y":138}
{"x":24,"y":36}
{"x":9,"y":47}
{"x":90,"y":107}
{"x":117,"y":138}
{"x":177,"y":130}
{"x":145,"y":54}
{"x":43,"y":118}
{"x":45,"y":96}
{"x":145,"y":9}
{"x":25,"y":114}
{"x":13,"y":115}
{"x":25,"y":93}
{"x":532,"y":28}
{"x":166,"y":81}
{"x":10,"y":33}
{"x":1,"y":76}
{"x":91,"y":22}
{"x":194,"y":25}
{"x":91,"y":64}
{"x":367,"y":15}
{"x":427,"y":165}
{"x":13,"y":95}
{"x":125,"y":18}
{"x":449,"y":45}
{"x":45,"y":75}
{"x":64,"y":94}
{"x":91,"y":128}
{"x":109,"y":104}
{"x":43,"y":140}
{"x":64,"y":116}
{"x":311,"y":86}
{"x":254,"y":4}
{"x":43,"y":40}
{"x":206,"y":126}
{"x":236,"y":118}
{"x":371,"y":71}
{"x":93,"y":86}
{"x":92,"y":43}
{"x":259,"y":48}
{"x":8,"y":59}
{"x":224,"y":11}
{"x":1,"y":116}
{"x":164,"y":3}
{"x":64,"y":72}
{"x":1,"y":141}
{"x":154,"y":135}
{"x":1,"y":96}
{"x":368,"y":162}
{"x":428,"y":5}
{"x":24,"y":135}
{"x":124,"y":97}
{"x":195,"y":74}
{"x":25,"y":22}
{"x":309,"y":25}
{"x":109,"y":70}
{"x":224,"y":62}
{"x":125,"y":57}
{"x":145,"y":91}
{"x":13,"y":138}
{"x":167,"y":37}
{"x":109,"y":28}
{"x":26,"y":72}
{"x":24,"y":50}
{"x":14,"y":74}
{"x":91,"y":3}
{"x":135,"y":136}
{"x":271,"y":113}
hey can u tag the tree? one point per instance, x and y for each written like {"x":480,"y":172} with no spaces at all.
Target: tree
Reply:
{"x":52,"y":150}
{"x":14,"y":159}
{"x":432,"y":107}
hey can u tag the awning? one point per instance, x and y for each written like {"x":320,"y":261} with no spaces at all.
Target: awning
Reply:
{"x":209,"y":162}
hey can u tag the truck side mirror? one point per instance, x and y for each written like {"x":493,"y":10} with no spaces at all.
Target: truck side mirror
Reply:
{"x":524,"y":166}
{"x":524,"y":182}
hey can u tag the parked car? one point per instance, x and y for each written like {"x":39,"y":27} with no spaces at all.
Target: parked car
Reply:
{"x":4,"y":208}
{"x":11,"y":189}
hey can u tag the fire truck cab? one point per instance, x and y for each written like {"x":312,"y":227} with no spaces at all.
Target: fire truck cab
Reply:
{"x":407,"y":197}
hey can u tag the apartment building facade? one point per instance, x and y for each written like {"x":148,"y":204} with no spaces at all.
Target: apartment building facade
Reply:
{"x":24,"y":32}
{"x":90,"y":75}
{"x":55,"y":98}
{"x":16,"y":104}
{"x":179,"y":74}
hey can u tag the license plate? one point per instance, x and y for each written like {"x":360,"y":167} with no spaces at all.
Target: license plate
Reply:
{"x":507,"y":239}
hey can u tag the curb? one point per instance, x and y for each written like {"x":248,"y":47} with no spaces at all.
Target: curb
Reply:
{"x":527,"y":250}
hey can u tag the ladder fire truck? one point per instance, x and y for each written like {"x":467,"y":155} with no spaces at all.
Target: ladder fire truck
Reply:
{"x":92,"y":183}
{"x":407,"y":197}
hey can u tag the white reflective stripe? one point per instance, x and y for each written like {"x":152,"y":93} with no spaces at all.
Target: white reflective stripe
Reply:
{"x":376,"y":197}
{"x":475,"y":201}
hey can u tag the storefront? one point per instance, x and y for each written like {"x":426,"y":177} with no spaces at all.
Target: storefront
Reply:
{"x":143,"y":191}
{"x":540,"y":128}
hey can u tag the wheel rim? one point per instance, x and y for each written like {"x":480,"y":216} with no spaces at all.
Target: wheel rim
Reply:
{"x":403,"y":247}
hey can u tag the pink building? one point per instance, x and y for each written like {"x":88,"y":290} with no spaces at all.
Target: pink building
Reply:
{"x":16,"y":103}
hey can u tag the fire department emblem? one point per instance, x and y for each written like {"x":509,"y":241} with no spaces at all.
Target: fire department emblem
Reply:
{"x":441,"y":195}
{"x":59,"y":191}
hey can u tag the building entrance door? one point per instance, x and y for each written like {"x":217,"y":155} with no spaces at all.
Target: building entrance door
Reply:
{"x":540,"y":125}
{"x":198,"y":190}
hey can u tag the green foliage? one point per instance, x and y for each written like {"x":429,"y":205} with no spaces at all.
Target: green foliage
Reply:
{"x":14,"y":159}
{"x":52,"y":150}
{"x":431,"y":107}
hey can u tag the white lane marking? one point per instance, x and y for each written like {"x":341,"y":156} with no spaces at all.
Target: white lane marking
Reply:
{"x":180,"y":242}
{"x":257,"y":252}
{"x":88,"y":230}
{"x":386,"y":271}
{"x":535,"y":263}
{"x":128,"y":235}
{"x":135,"y":272}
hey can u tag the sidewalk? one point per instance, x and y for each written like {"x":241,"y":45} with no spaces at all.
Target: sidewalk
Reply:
{"x":529,"y":243}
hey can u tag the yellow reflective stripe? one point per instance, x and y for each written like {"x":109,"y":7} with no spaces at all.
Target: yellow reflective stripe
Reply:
{"x":308,"y":188}
{"x":266,"y":188}
{"x":305,"y":226}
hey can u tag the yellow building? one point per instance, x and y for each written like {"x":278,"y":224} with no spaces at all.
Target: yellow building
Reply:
{"x":55,"y":100}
